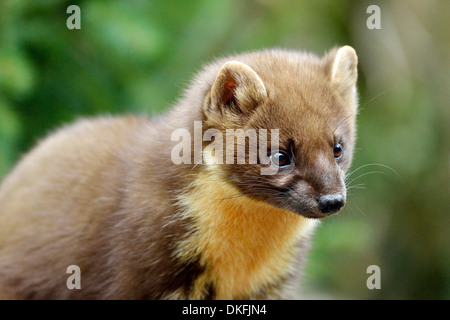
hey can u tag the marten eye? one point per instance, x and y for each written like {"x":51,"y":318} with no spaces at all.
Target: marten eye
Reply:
{"x":280,"y":159}
{"x":338,"y":151}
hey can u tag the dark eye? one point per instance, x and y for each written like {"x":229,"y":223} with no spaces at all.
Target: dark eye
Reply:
{"x":338,"y":151}
{"x":280,"y":159}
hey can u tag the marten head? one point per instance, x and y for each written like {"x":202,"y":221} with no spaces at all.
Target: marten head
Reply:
{"x":312,"y":102}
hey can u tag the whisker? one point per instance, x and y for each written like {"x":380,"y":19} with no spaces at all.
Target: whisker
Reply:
{"x":345,"y":119}
{"x":367,"y":173}
{"x":353,"y":206}
{"x":357,"y":186}
{"x":348,"y":175}
{"x":377,"y":96}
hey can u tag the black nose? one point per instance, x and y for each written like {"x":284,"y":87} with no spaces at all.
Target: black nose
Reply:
{"x":331,"y":203}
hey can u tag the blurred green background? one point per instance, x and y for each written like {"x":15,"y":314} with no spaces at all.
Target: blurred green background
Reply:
{"x":137,"y":56}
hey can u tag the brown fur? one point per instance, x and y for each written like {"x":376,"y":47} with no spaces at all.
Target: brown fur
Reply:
{"x":104,"y":194}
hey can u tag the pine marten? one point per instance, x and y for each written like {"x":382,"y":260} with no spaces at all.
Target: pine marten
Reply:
{"x":105,"y":195}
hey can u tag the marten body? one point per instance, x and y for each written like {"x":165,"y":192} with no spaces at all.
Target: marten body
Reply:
{"x":104,"y":195}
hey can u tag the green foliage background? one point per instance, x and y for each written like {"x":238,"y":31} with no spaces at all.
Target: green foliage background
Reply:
{"x":136,"y":56}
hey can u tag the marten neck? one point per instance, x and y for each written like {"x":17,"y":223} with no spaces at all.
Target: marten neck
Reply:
{"x":245,"y":245}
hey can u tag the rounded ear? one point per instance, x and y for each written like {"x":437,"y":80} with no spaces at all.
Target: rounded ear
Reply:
{"x":343,"y":71}
{"x":237,"y":89}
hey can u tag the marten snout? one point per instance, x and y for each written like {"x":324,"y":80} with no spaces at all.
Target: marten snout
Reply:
{"x":330,"y":204}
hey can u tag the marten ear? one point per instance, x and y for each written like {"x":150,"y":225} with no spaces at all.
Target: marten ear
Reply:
{"x":236,"y":89}
{"x":343,"y":70}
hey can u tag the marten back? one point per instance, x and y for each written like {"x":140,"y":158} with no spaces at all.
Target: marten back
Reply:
{"x":105,"y":195}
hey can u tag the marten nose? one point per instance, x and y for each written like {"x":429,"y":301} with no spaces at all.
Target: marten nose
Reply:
{"x":332,"y":203}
